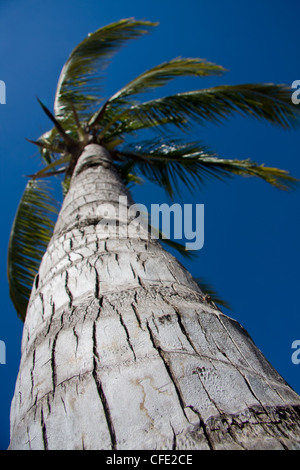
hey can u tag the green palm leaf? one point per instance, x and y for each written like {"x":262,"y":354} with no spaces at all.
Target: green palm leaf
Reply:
{"x":262,"y":101}
{"x":44,"y":172}
{"x":80,"y":76}
{"x":30,"y":235}
{"x":163,"y":73}
{"x":50,"y":143}
{"x":130,"y":123}
{"x":169,"y":163}
{"x":211,"y":294}
{"x":154,"y":78}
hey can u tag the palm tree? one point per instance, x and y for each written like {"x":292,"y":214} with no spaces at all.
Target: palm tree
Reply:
{"x":121,"y":348}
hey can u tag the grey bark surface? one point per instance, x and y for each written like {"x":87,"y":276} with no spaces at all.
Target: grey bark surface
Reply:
{"x":120,"y":350}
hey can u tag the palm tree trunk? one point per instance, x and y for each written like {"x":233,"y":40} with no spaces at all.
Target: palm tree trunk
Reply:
{"x":120,"y":350}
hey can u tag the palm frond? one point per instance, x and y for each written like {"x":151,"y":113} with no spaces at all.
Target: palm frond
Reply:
{"x":151,"y":79}
{"x":46,"y":146}
{"x":128,"y":177}
{"x":262,"y":101}
{"x":31,"y":231}
{"x":60,"y":129}
{"x":210,"y":293}
{"x":81,"y":74}
{"x":163,"y":73}
{"x":116,"y":125}
{"x":179,"y":247}
{"x":169,"y":163}
{"x":44,"y":171}
{"x":50,"y":143}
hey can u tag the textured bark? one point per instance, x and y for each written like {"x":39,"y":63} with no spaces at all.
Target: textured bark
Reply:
{"x":120,"y":350}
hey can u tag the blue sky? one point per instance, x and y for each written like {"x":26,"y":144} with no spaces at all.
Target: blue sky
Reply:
{"x":251,"y":253}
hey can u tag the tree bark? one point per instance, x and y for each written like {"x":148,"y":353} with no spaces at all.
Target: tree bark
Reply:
{"x":121,"y":350}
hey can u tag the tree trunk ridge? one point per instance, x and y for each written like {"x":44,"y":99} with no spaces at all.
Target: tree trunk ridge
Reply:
{"x":120,"y":349}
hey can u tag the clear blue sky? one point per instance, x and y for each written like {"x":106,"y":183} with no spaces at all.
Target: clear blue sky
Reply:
{"x":252,"y":231}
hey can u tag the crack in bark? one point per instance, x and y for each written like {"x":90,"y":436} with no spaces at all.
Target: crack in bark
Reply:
{"x":141,"y":283}
{"x":127,"y":334}
{"x":97,"y":283}
{"x":134,"y":308}
{"x":101,"y":394}
{"x":44,"y":432}
{"x":231,"y":433}
{"x":35,"y":407}
{"x":48,"y":403}
{"x":29,"y":440}
{"x":133,"y":272}
{"x":78,"y":254}
{"x":106,"y":410}
{"x":43,"y":307}
{"x":142,"y":261}
{"x":168,"y":368}
{"x":206,"y":435}
{"x":204,"y":333}
{"x":203,"y":426}
{"x":206,"y":391}
{"x":64,"y":405}
{"x":32,"y":373}
{"x":77,"y":339}
{"x":174,"y":443}
{"x":231,"y":338}
{"x":53,"y":363}
{"x":51,"y":317}
{"x":69,"y":293}
{"x":183,"y":328}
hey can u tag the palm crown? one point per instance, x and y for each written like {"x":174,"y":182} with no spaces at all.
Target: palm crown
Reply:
{"x":81,"y":116}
